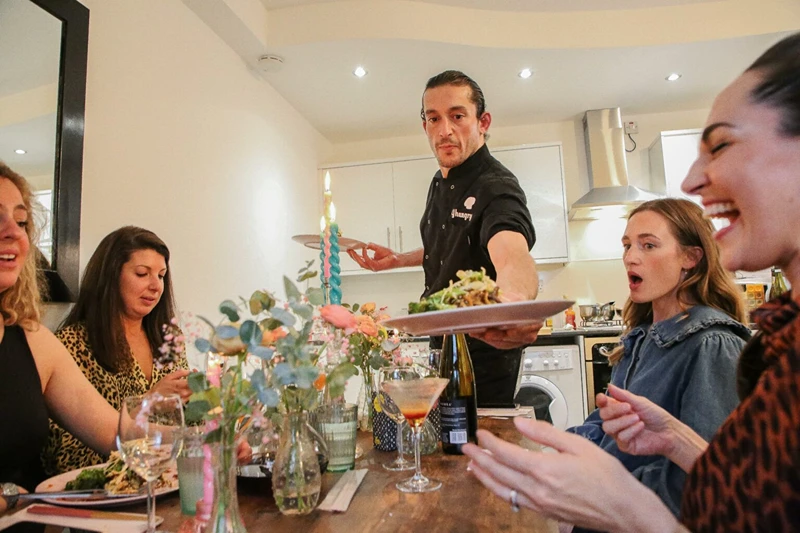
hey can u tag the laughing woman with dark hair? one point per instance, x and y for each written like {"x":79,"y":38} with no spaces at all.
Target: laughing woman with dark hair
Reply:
{"x":747,"y":477}
{"x":115,"y":329}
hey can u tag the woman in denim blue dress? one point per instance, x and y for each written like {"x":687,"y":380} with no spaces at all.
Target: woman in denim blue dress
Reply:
{"x":684,"y":333}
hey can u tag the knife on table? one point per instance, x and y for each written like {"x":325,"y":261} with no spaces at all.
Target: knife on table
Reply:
{"x":88,"y":494}
{"x":52,"y":510}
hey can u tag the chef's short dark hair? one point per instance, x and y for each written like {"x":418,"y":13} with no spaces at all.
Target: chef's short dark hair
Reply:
{"x":459,"y":79}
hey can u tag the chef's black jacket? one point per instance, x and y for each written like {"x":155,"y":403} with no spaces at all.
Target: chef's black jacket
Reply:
{"x":478,"y":199}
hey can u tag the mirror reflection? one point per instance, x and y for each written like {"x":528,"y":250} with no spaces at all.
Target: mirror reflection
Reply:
{"x":30,"y":51}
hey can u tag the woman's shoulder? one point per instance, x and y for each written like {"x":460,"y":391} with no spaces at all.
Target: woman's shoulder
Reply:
{"x":697,"y":324}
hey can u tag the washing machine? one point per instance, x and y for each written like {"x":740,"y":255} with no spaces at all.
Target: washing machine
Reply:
{"x":551,"y":381}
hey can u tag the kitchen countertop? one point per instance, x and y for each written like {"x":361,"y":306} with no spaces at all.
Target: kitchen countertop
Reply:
{"x":610,"y":331}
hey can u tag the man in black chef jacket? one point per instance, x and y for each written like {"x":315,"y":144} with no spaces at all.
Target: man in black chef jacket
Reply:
{"x":475,"y":216}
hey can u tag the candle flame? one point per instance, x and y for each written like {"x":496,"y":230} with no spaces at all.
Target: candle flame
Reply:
{"x":333,"y":212}
{"x":327,"y":181}
{"x":322,"y":223}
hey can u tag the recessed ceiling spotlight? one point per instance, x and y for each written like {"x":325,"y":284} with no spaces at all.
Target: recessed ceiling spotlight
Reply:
{"x":360,"y":72}
{"x":672,"y":77}
{"x":525,"y":73}
{"x":20,"y":151}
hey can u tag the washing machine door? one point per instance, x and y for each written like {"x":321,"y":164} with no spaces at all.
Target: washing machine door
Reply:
{"x":545,"y":397}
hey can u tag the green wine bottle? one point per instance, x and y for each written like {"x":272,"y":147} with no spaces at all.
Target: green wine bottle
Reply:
{"x":458,"y":402}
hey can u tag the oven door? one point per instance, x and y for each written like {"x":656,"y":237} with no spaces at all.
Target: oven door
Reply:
{"x":598,"y":370}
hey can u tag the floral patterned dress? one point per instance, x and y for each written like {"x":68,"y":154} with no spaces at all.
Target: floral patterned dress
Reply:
{"x":64,"y":452}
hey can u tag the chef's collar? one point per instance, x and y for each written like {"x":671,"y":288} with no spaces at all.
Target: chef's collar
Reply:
{"x":470,"y":167}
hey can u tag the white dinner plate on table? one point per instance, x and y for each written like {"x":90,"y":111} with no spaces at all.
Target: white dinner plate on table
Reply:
{"x":313,"y":241}
{"x":477,"y":318}
{"x":59,"y":483}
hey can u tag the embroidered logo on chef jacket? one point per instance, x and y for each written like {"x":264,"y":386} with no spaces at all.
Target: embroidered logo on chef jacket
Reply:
{"x":455,"y":213}
{"x":469,"y":202}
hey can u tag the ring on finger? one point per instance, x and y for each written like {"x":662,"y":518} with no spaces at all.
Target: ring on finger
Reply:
{"x":513,"y":498}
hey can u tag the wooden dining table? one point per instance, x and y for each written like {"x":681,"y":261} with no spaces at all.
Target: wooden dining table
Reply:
{"x":462,"y":505}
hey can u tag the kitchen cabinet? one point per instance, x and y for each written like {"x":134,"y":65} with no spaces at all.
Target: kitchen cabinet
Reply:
{"x":539,"y":170}
{"x":671,"y":156}
{"x":383,"y":202}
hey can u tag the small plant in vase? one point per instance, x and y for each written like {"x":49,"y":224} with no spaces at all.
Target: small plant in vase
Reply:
{"x":268,"y":363}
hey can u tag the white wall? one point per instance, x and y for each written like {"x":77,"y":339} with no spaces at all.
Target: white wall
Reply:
{"x":182,"y":139}
{"x":595,"y":273}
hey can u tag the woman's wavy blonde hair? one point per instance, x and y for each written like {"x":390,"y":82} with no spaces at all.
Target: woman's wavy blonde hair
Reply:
{"x":707,"y":283}
{"x":19,"y":303}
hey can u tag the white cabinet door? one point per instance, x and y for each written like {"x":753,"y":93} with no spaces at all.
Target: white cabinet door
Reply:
{"x":676,"y":151}
{"x":541,"y":176}
{"x":411,"y":182}
{"x":364,"y":207}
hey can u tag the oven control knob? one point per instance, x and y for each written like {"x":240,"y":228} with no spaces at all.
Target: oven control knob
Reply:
{"x":556,"y":362}
{"x":546,"y":362}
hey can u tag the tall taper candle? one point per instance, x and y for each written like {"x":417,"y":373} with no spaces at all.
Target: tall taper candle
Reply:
{"x":335,"y":279}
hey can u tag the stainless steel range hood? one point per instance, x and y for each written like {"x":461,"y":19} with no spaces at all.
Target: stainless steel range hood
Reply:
{"x":610,"y":195}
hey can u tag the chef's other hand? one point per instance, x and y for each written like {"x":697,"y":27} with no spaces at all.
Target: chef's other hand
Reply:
{"x":175,"y":383}
{"x":244,"y":453}
{"x":382,"y":258}
{"x":507,"y":339}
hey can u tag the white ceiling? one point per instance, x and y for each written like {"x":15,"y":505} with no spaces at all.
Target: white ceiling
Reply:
{"x":317,"y":79}
{"x":522,"y":5}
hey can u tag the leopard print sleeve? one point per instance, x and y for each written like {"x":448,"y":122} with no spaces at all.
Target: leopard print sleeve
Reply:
{"x":63,"y":451}
{"x":749,"y":477}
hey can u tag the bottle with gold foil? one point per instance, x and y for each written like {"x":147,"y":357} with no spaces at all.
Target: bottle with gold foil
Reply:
{"x":778,"y":284}
{"x":458,"y":402}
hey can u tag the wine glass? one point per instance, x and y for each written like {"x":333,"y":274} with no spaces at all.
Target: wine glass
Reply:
{"x":149,"y":439}
{"x":415,"y":398}
{"x":391,"y":410}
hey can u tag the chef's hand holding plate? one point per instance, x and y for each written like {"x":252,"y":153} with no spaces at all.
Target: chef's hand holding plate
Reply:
{"x":512,"y":337}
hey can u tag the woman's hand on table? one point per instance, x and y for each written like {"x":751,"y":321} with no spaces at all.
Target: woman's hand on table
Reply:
{"x":174,"y":383}
{"x":581,"y":485}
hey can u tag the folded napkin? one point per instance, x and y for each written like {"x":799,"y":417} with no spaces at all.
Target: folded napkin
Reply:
{"x":58,"y":516}
{"x":519,"y":411}
{"x":338,"y":499}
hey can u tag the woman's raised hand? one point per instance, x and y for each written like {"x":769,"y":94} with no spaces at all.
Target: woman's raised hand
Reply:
{"x":639,"y":426}
{"x":175,"y":383}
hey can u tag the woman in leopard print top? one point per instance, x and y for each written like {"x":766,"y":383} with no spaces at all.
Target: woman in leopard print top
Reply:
{"x":748,"y":477}
{"x":114,"y":330}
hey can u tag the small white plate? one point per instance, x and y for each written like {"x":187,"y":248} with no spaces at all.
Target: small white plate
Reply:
{"x":477,"y":318}
{"x":59,"y":482}
{"x":313,"y":241}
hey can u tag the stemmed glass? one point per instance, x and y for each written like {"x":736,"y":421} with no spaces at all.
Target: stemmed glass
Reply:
{"x":415,"y":398}
{"x":391,"y":410}
{"x":149,"y":439}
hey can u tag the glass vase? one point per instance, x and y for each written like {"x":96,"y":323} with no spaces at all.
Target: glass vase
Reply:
{"x":296,"y":478}
{"x":225,"y":516}
{"x":365,"y":397}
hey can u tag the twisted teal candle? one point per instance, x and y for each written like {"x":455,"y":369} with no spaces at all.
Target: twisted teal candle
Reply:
{"x":323,"y":281}
{"x":335,"y":279}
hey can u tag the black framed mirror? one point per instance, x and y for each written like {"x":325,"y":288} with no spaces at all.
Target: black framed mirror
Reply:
{"x":44,"y":55}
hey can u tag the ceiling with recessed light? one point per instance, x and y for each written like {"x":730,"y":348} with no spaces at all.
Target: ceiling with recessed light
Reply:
{"x":583,"y":54}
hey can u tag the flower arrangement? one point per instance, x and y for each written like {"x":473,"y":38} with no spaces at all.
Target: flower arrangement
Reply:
{"x":276,"y":335}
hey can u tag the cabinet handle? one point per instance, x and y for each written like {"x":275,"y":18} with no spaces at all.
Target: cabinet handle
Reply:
{"x":400,"y":230}
{"x":388,"y":237}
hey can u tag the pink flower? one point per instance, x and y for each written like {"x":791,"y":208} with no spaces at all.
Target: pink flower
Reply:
{"x":339,"y":317}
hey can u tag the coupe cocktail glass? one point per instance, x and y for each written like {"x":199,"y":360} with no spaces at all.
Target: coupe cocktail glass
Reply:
{"x":415,"y":398}
{"x":391,"y":410}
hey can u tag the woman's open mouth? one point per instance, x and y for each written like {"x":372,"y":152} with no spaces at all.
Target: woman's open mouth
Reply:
{"x":723,"y":215}
{"x":634,"y":280}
